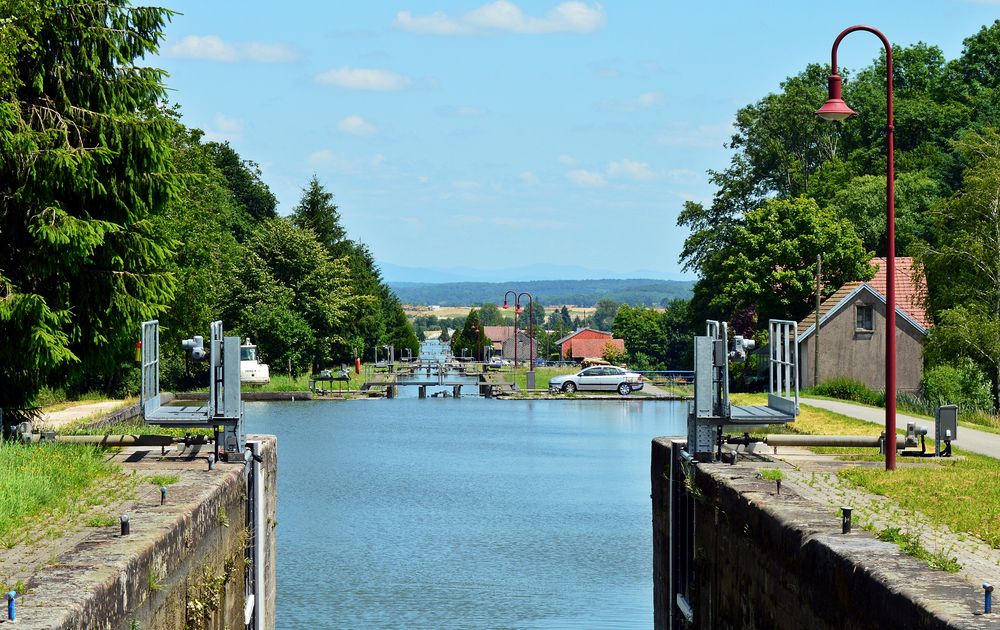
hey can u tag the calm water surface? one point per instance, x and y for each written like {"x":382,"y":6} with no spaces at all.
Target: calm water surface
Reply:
{"x":468,"y":513}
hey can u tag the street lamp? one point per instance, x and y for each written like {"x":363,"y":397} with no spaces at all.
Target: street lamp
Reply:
{"x":836,"y":109}
{"x":531,"y":338}
{"x":517,"y":310}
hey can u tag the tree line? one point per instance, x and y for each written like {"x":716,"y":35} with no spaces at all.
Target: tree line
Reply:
{"x":113,"y":212}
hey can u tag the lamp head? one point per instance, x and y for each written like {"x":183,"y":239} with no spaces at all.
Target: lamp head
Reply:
{"x":505,"y":304}
{"x":518,"y":309}
{"x":834,"y":108}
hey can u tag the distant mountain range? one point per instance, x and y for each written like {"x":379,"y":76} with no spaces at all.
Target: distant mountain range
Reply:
{"x":635,"y":291}
{"x":399,"y":274}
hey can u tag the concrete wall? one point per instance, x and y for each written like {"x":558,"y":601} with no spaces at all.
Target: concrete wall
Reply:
{"x":859,"y":355}
{"x":767,"y":562}
{"x":182,"y":565}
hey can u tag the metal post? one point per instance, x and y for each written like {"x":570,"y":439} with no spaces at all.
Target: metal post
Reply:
{"x":819,"y":279}
{"x":845,"y":522}
{"x":840,"y":111}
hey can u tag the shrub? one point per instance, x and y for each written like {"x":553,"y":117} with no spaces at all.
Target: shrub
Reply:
{"x":849,"y":389}
{"x":962,"y":383}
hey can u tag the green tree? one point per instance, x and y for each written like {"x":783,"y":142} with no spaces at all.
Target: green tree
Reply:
{"x":964,"y":265}
{"x":639,"y":328}
{"x":771,"y":264}
{"x":243,"y":179}
{"x":203,"y":221}
{"x":491,"y":315}
{"x":604,"y":314}
{"x":288,"y":276}
{"x":471,"y":340}
{"x":84,"y":162}
{"x":317,"y":212}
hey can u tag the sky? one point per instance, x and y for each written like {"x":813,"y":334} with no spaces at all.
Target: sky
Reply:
{"x":484,"y":138}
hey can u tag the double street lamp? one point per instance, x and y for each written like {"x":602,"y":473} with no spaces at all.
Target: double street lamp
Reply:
{"x":836,"y":109}
{"x":531,"y":332}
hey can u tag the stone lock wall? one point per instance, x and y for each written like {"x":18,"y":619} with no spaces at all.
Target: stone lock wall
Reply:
{"x":764,"y":562}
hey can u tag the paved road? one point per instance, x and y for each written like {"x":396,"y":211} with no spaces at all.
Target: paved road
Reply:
{"x":981,"y":442}
{"x":59,"y":419}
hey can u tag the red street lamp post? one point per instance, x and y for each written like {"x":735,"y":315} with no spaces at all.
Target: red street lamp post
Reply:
{"x":531,"y":331}
{"x":516,"y":311}
{"x":836,"y":109}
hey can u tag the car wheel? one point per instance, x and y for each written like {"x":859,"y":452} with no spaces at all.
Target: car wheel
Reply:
{"x":569,"y":387}
{"x":624,"y":389}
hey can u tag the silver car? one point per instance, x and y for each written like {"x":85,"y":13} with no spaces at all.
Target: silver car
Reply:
{"x":599,"y":378}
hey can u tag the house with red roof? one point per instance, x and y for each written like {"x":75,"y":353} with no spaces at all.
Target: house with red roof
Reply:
{"x":587,"y":343}
{"x":852,"y":329}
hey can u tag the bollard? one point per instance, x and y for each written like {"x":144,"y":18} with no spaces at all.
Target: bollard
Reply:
{"x":777,"y":484}
{"x":988,"y":598}
{"x":126,"y":526}
{"x":211,"y":461}
{"x":163,"y":495}
{"x":845,"y":522}
{"x":11,"y":611}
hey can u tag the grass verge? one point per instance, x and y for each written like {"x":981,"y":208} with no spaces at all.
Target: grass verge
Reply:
{"x":961,"y":493}
{"x":38,"y":480}
{"x":542,"y":376}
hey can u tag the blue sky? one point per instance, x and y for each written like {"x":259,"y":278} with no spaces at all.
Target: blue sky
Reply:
{"x":507,"y":134}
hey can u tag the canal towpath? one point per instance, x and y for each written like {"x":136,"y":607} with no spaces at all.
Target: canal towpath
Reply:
{"x":982,"y":442}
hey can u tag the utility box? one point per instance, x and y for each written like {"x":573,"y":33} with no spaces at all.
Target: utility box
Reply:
{"x":945,"y":427}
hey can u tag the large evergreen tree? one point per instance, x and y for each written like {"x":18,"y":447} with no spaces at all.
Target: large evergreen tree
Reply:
{"x":317,"y":212}
{"x":84,"y":162}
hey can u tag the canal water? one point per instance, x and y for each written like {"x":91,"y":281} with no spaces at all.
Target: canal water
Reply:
{"x":469,"y":513}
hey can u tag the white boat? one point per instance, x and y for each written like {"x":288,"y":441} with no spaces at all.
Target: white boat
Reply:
{"x":252,"y":372}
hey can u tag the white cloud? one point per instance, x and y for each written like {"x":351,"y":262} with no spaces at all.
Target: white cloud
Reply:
{"x":502,"y":15}
{"x":568,"y":160}
{"x":364,"y":79}
{"x":224,"y":129}
{"x":528,"y":178}
{"x":631,"y":169}
{"x":464,"y":184}
{"x":588,"y":179}
{"x":214,"y":48}
{"x":423,"y":179}
{"x":378,"y":160}
{"x":356,"y":126}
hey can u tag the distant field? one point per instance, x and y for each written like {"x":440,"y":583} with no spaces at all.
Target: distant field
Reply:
{"x":461,"y":311}
{"x":635,"y":291}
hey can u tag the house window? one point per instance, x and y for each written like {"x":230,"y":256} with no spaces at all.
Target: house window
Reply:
{"x":865,"y":321}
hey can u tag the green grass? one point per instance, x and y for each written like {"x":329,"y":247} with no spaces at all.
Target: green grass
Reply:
{"x":55,"y":399}
{"x":37,"y":480}
{"x":136,"y":426}
{"x":101,"y":520}
{"x":542,"y":376}
{"x":771,"y":474}
{"x":162,"y":480}
{"x":961,"y":492}
{"x":910,"y":544}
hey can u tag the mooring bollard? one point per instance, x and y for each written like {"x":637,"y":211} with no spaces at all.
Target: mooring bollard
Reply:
{"x":845,"y":522}
{"x":126,"y":526}
{"x":11,"y":611}
{"x":163,"y":495}
{"x":988,"y":598}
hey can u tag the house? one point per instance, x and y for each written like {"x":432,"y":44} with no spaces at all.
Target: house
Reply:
{"x":524,"y":347}
{"x":498,"y":335}
{"x":852,"y":327}
{"x":587,"y":342}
